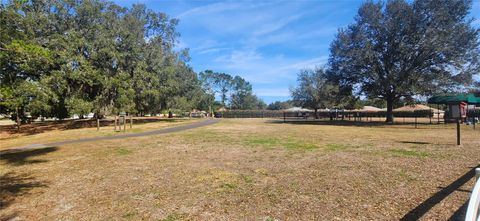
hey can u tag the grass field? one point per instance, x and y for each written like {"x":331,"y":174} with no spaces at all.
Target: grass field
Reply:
{"x":246,"y":169}
{"x":54,"y":132}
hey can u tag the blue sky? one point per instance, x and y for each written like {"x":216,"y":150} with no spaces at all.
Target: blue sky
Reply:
{"x":266,"y":42}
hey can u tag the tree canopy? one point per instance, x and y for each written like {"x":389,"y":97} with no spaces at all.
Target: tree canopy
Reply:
{"x":315,"y":91}
{"x":280,"y":105}
{"x":399,"y":49}
{"x":234,"y":91}
{"x":59,"y":58}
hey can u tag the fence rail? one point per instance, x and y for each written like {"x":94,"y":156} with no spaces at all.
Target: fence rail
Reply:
{"x":320,"y":114}
{"x":473,"y":210}
{"x":327,"y":114}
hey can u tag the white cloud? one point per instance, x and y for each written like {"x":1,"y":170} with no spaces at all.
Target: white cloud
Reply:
{"x":275,"y":25}
{"x":212,"y":50}
{"x":267,"y":43}
{"x":261,"y":69}
{"x":209,"y":9}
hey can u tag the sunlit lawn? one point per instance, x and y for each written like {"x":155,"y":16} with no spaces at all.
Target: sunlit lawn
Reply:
{"x":61,"y":134}
{"x":244,"y":169}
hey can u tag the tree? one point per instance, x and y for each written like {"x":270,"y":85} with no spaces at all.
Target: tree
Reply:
{"x":280,"y":105}
{"x":242,"y":97}
{"x":398,"y":49}
{"x":315,"y":91}
{"x":71,"y":57}
{"x":217,"y":83}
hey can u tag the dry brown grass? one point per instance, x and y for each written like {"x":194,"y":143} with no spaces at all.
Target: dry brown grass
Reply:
{"x":245,"y":169}
{"x":47,"y":132}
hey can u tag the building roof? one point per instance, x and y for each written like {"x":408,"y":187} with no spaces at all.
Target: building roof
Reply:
{"x":370,"y":108}
{"x":455,"y":99}
{"x":297,"y":109}
{"x":417,"y":107}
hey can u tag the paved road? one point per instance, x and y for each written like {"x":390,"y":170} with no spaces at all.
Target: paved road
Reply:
{"x":121,"y":136}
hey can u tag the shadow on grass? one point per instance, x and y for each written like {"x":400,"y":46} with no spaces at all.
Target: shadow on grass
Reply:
{"x":415,"y":142}
{"x":42,"y":127}
{"x":14,"y":185}
{"x":423,"y":208}
{"x":459,"y":215}
{"x":8,"y":217}
{"x":21,"y":156}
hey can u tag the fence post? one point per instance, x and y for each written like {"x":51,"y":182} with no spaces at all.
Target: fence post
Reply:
{"x":18,"y":119}
{"x":458,"y":131}
{"x":474,"y":122}
{"x":284,"y":118}
{"x":98,"y":124}
{"x":131,"y":121}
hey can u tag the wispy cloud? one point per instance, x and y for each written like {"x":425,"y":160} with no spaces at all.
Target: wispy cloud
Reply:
{"x":266,"y":42}
{"x":209,"y":9}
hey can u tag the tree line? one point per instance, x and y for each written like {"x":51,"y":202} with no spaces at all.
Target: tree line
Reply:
{"x":234,"y":91}
{"x":65,"y":57}
{"x":395,"y":51}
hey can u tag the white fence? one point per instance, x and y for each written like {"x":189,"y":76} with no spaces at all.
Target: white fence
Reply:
{"x":473,"y":210}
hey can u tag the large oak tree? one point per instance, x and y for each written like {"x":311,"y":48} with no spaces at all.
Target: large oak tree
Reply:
{"x":398,"y":49}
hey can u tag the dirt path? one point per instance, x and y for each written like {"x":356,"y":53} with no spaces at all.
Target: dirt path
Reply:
{"x":121,"y":136}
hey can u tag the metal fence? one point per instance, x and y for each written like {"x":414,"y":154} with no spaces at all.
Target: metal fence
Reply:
{"x":320,"y":114}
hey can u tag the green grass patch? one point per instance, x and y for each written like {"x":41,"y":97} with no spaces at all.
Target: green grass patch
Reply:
{"x":337,"y":147}
{"x":228,"y":186}
{"x":171,"y":217}
{"x":269,"y":218}
{"x":269,"y":142}
{"x":290,"y":144}
{"x":297,"y":145}
{"x":123,"y":151}
{"x":130,"y":214}
{"x":409,"y":153}
{"x":247,"y":179}
{"x":406,"y":176}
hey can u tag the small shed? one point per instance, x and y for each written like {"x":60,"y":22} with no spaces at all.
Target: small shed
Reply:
{"x":456,"y":101}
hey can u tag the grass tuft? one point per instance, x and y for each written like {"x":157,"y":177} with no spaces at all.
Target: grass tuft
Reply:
{"x":409,"y":153}
{"x":123,"y":151}
{"x":290,"y":144}
{"x":296,"y":145}
{"x":130,"y":214}
{"x":171,"y":217}
{"x":337,"y":147}
{"x":270,"y":142}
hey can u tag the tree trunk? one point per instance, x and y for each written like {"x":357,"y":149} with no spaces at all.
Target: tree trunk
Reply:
{"x":316,"y":113}
{"x":18,"y":119}
{"x":389,"y":119}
